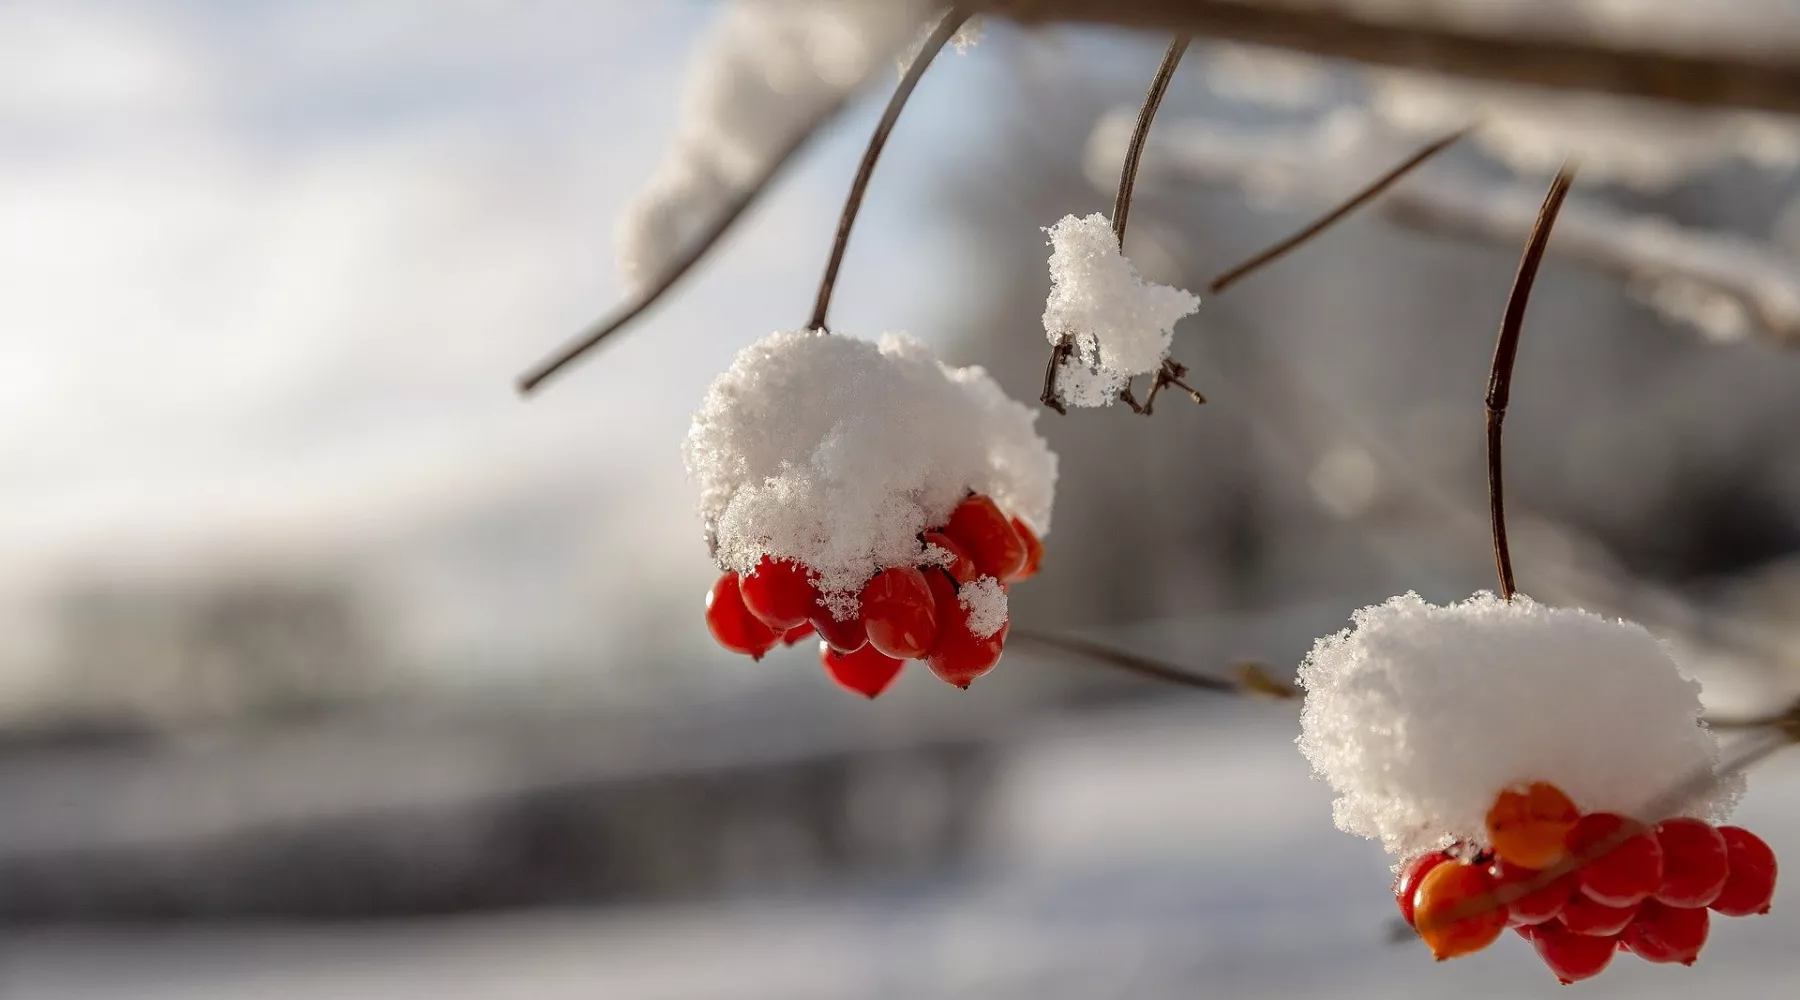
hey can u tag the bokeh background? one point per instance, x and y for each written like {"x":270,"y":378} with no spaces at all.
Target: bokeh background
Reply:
{"x":330,"y":668}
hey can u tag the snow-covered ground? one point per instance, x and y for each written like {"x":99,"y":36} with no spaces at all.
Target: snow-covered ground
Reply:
{"x":1174,"y":852}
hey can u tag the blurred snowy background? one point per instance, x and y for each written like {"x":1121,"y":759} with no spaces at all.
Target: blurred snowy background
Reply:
{"x":330,"y":668}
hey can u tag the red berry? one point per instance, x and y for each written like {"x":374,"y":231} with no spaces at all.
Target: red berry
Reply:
{"x":961,"y":568}
{"x":1529,"y":906}
{"x":1571,"y":957}
{"x":845,"y":636}
{"x":1623,"y":862}
{"x":899,"y":614}
{"x":1406,"y":883}
{"x":780,"y":593}
{"x":868,"y":671}
{"x":1751,"y":886}
{"x":1034,"y":551}
{"x":1582,"y":915}
{"x":1529,"y":825}
{"x":979,"y":527}
{"x":732,"y":624}
{"x":1667,"y":933}
{"x":797,"y":633}
{"x":959,"y":656}
{"x":1454,"y":911}
{"x":1695,"y":862}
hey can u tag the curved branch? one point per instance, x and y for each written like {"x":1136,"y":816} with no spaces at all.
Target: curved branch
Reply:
{"x":1506,"y":351}
{"x":1250,"y":679}
{"x":1140,"y":134}
{"x":940,"y":36}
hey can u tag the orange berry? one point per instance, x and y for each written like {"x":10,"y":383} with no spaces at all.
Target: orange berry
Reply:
{"x":1529,"y":826}
{"x":1455,"y":911}
{"x":1034,"y":551}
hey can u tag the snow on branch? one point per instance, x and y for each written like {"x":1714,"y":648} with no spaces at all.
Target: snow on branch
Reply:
{"x":1724,"y":284}
{"x":1750,"y":59}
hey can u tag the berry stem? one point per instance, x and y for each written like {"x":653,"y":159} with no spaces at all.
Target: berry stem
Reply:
{"x":1506,"y":351}
{"x":940,"y":36}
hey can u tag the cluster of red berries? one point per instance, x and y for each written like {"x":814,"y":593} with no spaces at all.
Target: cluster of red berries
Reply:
{"x":907,"y":612}
{"x":1582,"y":887}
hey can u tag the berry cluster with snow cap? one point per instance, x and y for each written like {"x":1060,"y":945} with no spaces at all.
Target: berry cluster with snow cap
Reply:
{"x":1536,"y":743}
{"x":1120,"y":325}
{"x":872,"y":495}
{"x":1418,"y":715}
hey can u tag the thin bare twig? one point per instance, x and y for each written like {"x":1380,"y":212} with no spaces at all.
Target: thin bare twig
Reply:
{"x":1250,"y":678}
{"x":1140,"y":134}
{"x":1760,"y":75}
{"x":1134,"y":154}
{"x":697,"y":248}
{"x":1331,"y":218}
{"x":1506,"y":351}
{"x":940,"y":36}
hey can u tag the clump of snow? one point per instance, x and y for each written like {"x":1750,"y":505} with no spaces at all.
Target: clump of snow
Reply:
{"x":1418,"y":715}
{"x":768,"y":71}
{"x":966,"y":37}
{"x":985,"y":601}
{"x":1120,"y":324}
{"x":836,"y":452}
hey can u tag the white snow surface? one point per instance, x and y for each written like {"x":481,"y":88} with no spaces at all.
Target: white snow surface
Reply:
{"x":836,"y":452}
{"x":767,"y":72}
{"x":1121,"y":324}
{"x":985,"y":601}
{"x":1418,"y":715}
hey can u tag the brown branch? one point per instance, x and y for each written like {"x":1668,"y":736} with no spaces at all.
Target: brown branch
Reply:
{"x":1506,"y":351}
{"x":1251,"y":678}
{"x":940,"y":36}
{"x":1140,"y":133}
{"x":1331,"y":218}
{"x":1439,"y":42}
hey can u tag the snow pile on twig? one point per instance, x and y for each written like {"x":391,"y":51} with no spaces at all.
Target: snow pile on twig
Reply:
{"x":1419,"y":715}
{"x":836,"y":452}
{"x":1121,"y":325}
{"x":770,"y":72}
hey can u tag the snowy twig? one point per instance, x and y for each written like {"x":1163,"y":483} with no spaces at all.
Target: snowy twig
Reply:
{"x":1436,"y":38}
{"x":1326,"y":221}
{"x":1171,"y":371}
{"x":1251,"y":678}
{"x":1744,"y":286}
{"x":947,"y":27}
{"x":1506,"y":351}
{"x":696,"y":250}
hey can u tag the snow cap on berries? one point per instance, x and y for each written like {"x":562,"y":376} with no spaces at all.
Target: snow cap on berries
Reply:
{"x":1121,"y":324}
{"x":836,"y":453}
{"x":1419,"y":715}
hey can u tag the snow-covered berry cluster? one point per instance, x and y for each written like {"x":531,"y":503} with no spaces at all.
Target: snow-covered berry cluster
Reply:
{"x":1522,"y":758}
{"x":1581,"y":887}
{"x":873,"y":496}
{"x":949,"y":610}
